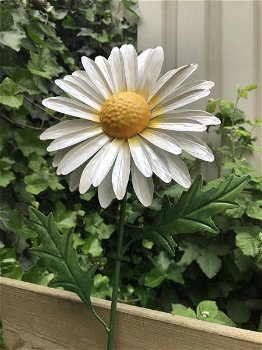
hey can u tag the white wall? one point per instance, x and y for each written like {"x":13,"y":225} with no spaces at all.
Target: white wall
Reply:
{"x":223,"y":37}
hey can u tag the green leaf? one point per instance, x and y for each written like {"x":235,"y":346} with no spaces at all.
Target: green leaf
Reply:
{"x":196,"y":206}
{"x":18,"y":225}
{"x":254,"y":210}
{"x":242,"y":261}
{"x":132,"y":6}
{"x":92,"y":246}
{"x":5,"y":213}
{"x":6,"y":19}
{"x":35,"y":184}
{"x":36,"y":274}
{"x":101,"y":287}
{"x":9,"y":266}
{"x":247,"y":243}
{"x":29,"y":142}
{"x":10,"y":94}
{"x":212,"y":105}
{"x":191,"y":252}
{"x":243,"y":92}
{"x":238,"y":310}
{"x":12,"y":38}
{"x":89,"y":14}
{"x":181,"y":310}
{"x":155,"y":277}
{"x":59,"y":256}
{"x":43,"y":65}
{"x":209,"y":262}
{"x":222,"y":318}
{"x":206,"y":310}
{"x":23,"y":78}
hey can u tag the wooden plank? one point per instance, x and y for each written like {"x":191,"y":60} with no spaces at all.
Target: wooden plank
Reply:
{"x":37,"y":317}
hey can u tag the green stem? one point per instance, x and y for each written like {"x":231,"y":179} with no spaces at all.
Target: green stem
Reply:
{"x":100,"y":320}
{"x":119,"y":248}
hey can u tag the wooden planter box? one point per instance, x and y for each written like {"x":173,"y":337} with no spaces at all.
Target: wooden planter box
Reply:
{"x":37,"y":317}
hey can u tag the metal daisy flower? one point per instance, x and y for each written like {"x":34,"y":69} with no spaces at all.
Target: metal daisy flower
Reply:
{"x":128,"y":121}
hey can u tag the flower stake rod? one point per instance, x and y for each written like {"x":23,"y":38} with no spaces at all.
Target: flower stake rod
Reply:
{"x":129,"y":123}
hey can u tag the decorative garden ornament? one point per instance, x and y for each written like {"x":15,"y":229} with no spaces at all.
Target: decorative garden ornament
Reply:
{"x":128,"y":121}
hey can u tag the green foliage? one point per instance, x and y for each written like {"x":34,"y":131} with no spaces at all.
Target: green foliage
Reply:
{"x":217,"y":229}
{"x":60,"y":257}
{"x":206,"y":310}
{"x":195,"y":207}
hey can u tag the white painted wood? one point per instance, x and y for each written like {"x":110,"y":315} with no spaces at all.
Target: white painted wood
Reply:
{"x":223,"y":36}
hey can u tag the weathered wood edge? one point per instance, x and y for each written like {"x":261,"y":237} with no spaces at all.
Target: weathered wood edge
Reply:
{"x":34,"y":316}
{"x":230,"y":332}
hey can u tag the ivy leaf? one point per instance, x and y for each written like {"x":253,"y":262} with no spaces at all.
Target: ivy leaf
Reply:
{"x":155,"y":277}
{"x":60,"y":257}
{"x":29,"y":142}
{"x":43,"y":65}
{"x":132,"y":6}
{"x":196,"y":206}
{"x":12,"y":38}
{"x":10,"y":94}
{"x":6,"y":19}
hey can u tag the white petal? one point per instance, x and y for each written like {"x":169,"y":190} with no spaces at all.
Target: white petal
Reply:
{"x":74,"y":108}
{"x":81,"y":153}
{"x":158,"y":162}
{"x":84,"y":76}
{"x":96,"y":76}
{"x":140,"y":156}
{"x":105,"y":68}
{"x":73,"y":138}
{"x":178,"y":170}
{"x":149,"y":67}
{"x":194,"y":146}
{"x":177,"y":124}
{"x":105,"y":159}
{"x":78,"y":93}
{"x":142,"y":61}
{"x":118,"y":70}
{"x":130,"y":65}
{"x":85,"y":85}
{"x":169,"y":82}
{"x":179,"y":101}
{"x":202,"y":117}
{"x":65,"y":128}
{"x":121,"y":171}
{"x":74,"y":178}
{"x":161,"y":140}
{"x":105,"y":191}
{"x":86,"y":177}
{"x":59,"y":156}
{"x":143,"y":186}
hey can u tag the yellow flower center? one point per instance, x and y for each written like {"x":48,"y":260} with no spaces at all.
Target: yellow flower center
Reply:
{"x":124,"y":114}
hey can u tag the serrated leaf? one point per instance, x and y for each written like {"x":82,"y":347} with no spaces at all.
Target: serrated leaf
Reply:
{"x":247,"y":243}
{"x":59,"y":256}
{"x":196,"y":206}
{"x":209,"y":262}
